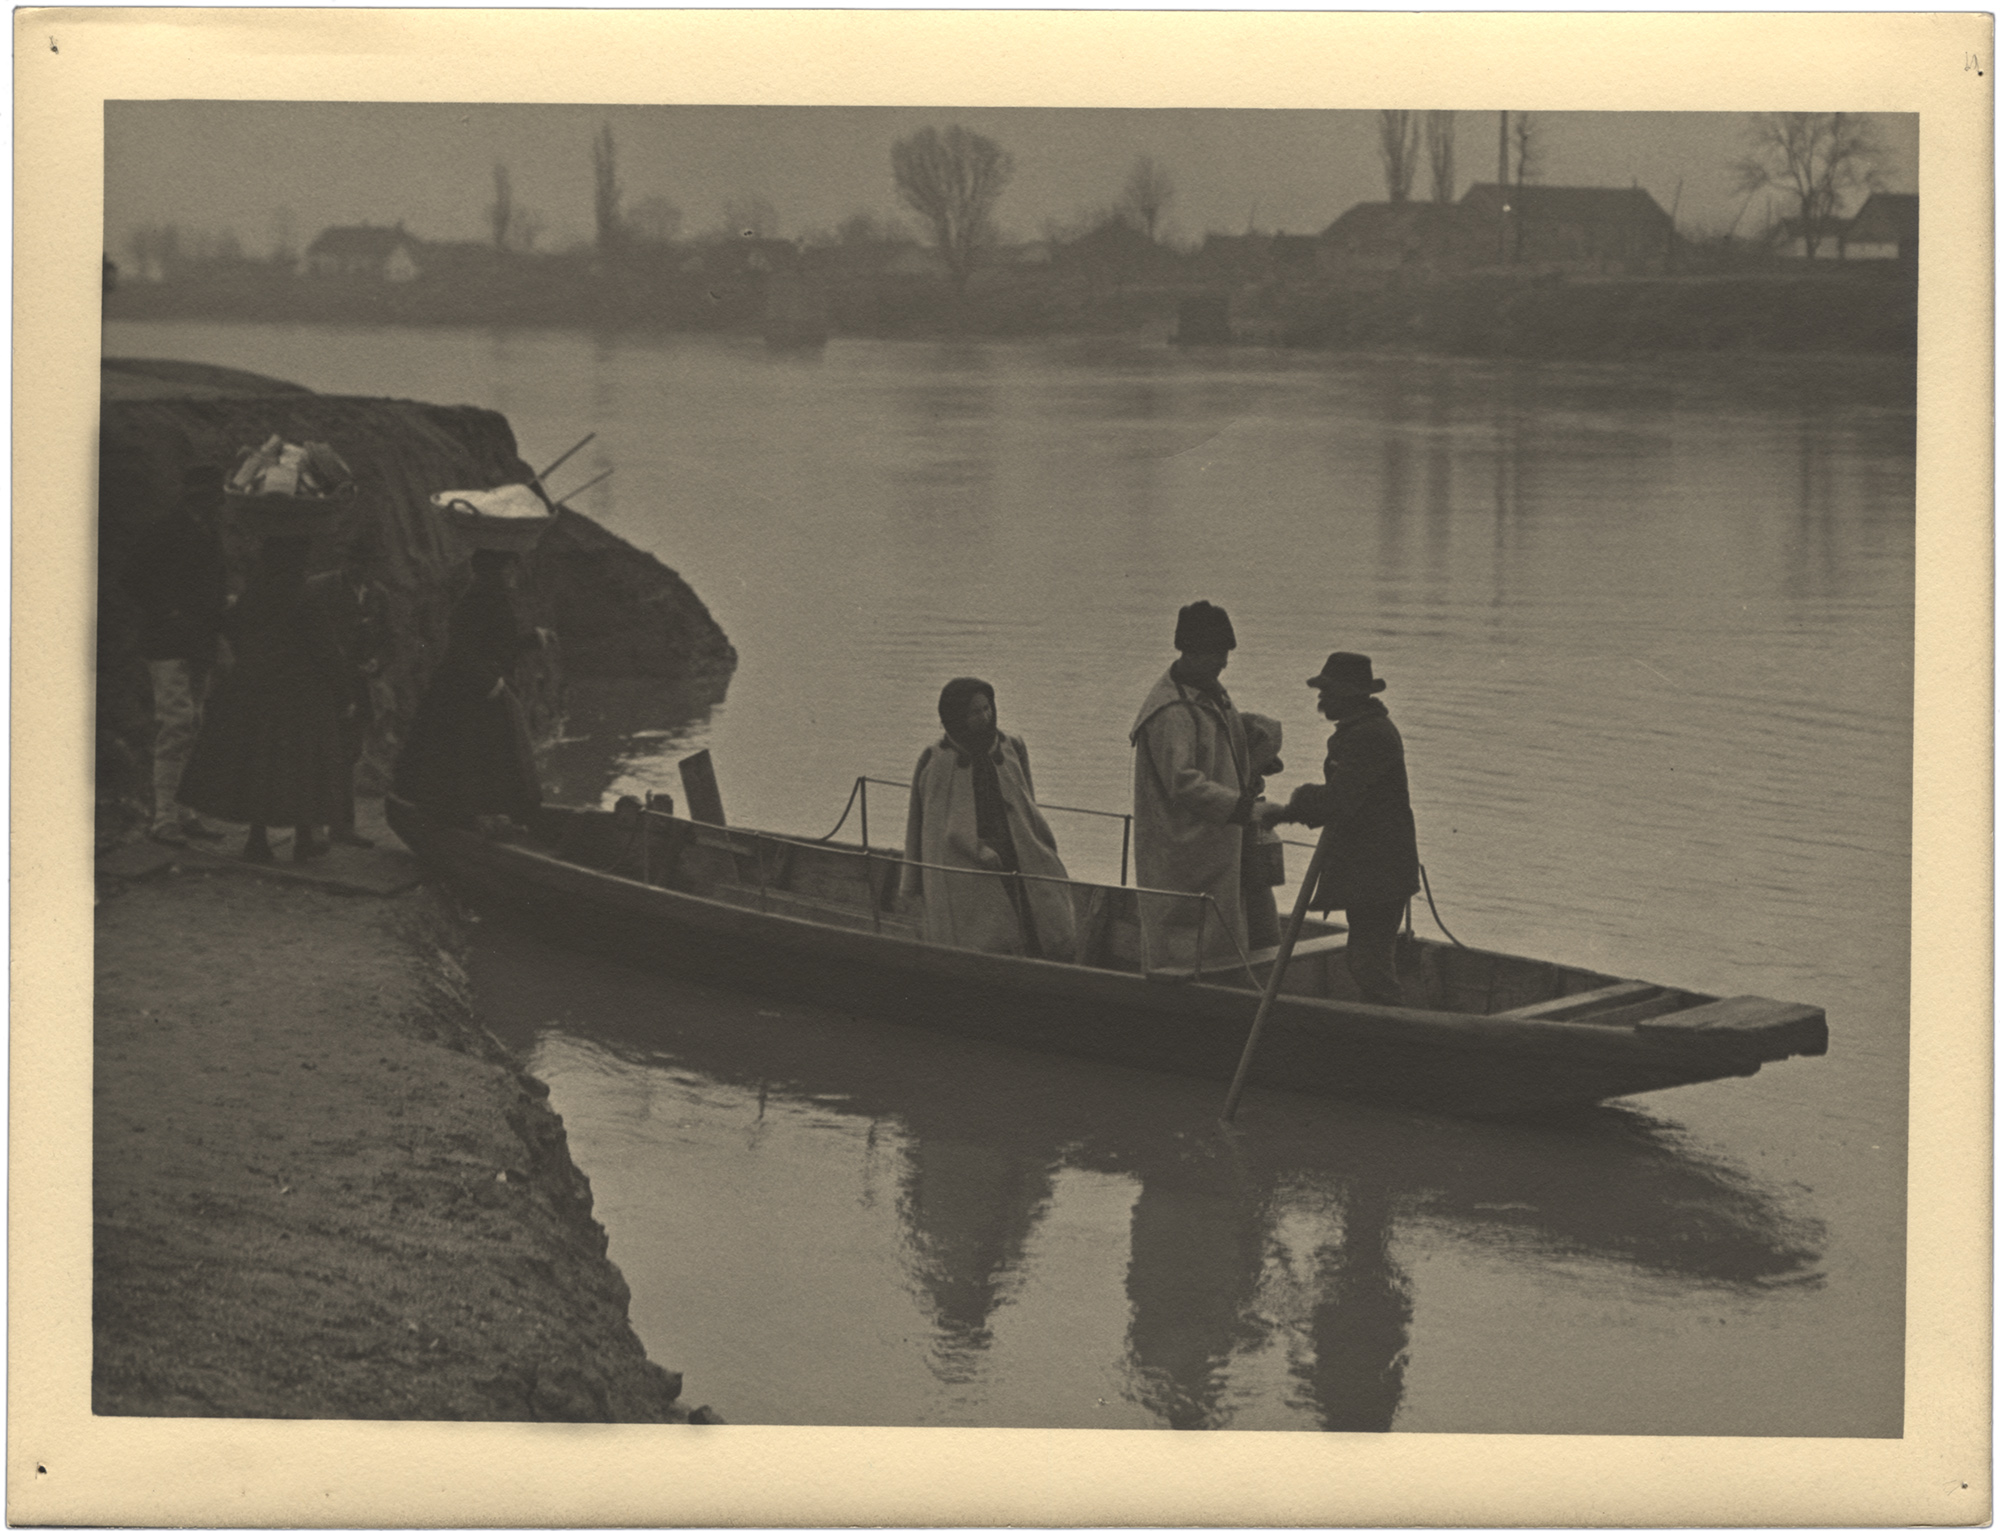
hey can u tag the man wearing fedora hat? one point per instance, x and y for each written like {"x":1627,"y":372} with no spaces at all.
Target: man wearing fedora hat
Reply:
{"x":1192,"y":801}
{"x":1370,"y":867}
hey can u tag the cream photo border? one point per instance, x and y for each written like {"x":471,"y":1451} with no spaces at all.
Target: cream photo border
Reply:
{"x":66,"y":1466}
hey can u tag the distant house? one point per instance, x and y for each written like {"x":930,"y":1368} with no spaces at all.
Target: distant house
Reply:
{"x":1395,"y":236}
{"x":1789,"y":238}
{"x":365,"y":250}
{"x":1604,"y":228}
{"x":1885,"y":228}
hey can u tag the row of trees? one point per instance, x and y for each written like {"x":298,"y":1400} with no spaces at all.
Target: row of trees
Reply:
{"x":952,"y":179}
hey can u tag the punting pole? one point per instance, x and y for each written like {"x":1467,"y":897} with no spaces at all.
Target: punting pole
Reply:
{"x":1297,"y":923}
{"x":539,"y":477}
{"x":583,"y":486}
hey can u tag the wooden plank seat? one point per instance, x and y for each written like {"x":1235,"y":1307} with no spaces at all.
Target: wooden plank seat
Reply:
{"x":1589,"y":1005}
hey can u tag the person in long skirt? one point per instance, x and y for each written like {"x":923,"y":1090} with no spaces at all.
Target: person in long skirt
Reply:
{"x":468,"y":756}
{"x":270,"y":750}
{"x":972,"y":804}
{"x":356,"y":610}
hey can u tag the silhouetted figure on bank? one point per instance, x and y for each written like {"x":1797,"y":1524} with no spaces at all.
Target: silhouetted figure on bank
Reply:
{"x":270,"y":750}
{"x":468,"y":756}
{"x":972,"y":804}
{"x":180,"y":583}
{"x":1370,"y":870}
{"x":355,"y":608}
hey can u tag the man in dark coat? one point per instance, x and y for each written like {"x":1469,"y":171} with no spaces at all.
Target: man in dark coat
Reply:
{"x":179,"y":582}
{"x":355,"y":606}
{"x":1370,"y":868}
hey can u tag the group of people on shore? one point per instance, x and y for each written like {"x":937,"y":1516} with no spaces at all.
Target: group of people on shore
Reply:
{"x":1205,"y":850}
{"x":263,"y":701}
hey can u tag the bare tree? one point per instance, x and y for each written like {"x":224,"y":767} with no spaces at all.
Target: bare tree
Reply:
{"x":500,"y":211}
{"x":1440,"y":128}
{"x":952,"y":180}
{"x":604,"y":168}
{"x":1399,"y":152}
{"x":1148,"y":190}
{"x":1527,"y":132}
{"x":1813,"y":158}
{"x":654,"y":220}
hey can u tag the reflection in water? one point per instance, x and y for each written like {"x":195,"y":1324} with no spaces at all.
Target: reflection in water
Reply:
{"x":1360,"y":1321}
{"x":1197,"y":1252}
{"x":969,"y":1209}
{"x":988,"y":1134}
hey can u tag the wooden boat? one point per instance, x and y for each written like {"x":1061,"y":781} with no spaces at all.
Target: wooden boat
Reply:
{"x":1484,"y":1033}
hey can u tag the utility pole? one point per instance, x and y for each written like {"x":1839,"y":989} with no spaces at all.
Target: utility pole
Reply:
{"x":1503,"y":188}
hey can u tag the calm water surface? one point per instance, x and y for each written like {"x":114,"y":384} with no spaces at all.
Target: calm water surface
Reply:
{"x":1648,"y":634}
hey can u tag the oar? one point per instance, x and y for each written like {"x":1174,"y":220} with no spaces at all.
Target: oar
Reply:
{"x":539,"y":478}
{"x":583,"y":486}
{"x":1298,"y":920}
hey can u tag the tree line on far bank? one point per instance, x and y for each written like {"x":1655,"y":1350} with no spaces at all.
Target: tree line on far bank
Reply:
{"x":1106,"y":268}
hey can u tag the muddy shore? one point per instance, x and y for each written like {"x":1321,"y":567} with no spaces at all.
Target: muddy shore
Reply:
{"x":321,"y":1190}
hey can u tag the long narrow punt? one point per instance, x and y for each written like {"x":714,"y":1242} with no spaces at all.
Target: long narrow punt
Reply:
{"x":1484,"y":1033}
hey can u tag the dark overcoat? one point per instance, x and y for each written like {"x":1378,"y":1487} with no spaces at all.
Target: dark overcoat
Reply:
{"x":468,"y":753}
{"x":270,"y":749}
{"x":1372,"y":858}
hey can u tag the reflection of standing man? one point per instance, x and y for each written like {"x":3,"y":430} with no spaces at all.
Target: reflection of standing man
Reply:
{"x":1370,"y":867}
{"x":353,"y":602}
{"x":178,"y":578}
{"x":1191,"y":801}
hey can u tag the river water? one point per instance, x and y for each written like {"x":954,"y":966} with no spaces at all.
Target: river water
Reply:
{"x":1648,"y":635}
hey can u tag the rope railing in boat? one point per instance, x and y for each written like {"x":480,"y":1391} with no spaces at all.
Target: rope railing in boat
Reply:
{"x":860,"y":792}
{"x":871,"y":856}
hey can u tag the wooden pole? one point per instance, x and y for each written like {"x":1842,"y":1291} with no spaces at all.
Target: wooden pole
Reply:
{"x":1297,"y":923}
{"x":583,"y":486}
{"x":540,"y":477}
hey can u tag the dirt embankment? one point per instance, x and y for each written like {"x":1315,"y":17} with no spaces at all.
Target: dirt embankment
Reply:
{"x":320,"y":1189}
{"x":618,"y":613}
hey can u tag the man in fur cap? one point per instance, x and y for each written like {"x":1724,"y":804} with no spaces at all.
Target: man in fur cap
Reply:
{"x":1193,"y":802}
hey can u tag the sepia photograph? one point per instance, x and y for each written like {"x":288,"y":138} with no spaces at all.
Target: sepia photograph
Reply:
{"x":1084,"y":768}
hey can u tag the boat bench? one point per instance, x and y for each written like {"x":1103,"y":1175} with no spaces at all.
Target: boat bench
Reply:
{"x":1617,"y":1004}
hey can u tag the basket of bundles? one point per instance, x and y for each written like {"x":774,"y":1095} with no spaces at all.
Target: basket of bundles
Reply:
{"x":289,"y":489}
{"x":510,"y":519}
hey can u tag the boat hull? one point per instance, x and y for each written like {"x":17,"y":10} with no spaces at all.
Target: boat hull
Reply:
{"x":1462,"y":1064}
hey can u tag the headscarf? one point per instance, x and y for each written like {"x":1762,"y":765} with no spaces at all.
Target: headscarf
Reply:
{"x":952,"y":702}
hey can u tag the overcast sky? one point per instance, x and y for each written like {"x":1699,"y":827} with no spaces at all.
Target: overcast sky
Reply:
{"x":208,"y":166}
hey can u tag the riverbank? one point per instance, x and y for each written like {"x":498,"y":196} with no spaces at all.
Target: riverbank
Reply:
{"x":1772,"y":307}
{"x":320,"y":1188}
